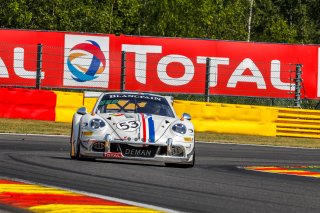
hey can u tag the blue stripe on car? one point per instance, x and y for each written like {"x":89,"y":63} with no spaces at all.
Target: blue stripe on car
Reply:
{"x":151,"y":129}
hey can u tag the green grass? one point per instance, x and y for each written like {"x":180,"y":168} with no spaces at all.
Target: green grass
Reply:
{"x":34,"y":127}
{"x":57,"y":128}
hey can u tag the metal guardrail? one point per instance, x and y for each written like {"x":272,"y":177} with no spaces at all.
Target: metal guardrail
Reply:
{"x":298,"y":123}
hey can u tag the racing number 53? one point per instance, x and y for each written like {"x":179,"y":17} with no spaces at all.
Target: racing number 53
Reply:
{"x":129,"y":125}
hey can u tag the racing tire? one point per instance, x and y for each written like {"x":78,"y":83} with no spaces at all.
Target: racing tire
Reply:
{"x":78,"y":156}
{"x":71,"y":144}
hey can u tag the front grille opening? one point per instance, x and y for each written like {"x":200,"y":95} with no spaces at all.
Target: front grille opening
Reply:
{"x":177,"y":151}
{"x":114,"y":147}
{"x":162,"y":150}
{"x":98,"y":147}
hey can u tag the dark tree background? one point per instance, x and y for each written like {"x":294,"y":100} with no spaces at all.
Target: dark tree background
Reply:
{"x":287,"y":21}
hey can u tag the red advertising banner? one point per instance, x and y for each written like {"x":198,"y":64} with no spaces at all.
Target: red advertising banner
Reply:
{"x":155,"y":64}
{"x":237,"y":68}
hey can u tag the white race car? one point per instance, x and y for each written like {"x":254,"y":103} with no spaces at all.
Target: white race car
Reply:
{"x":137,"y":126}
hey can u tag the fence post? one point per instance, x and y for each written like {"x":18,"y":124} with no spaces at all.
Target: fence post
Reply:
{"x":207,"y":85}
{"x":39,"y":66}
{"x":123,"y":71}
{"x":297,"y":92}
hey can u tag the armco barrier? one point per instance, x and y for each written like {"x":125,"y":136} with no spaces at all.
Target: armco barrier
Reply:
{"x":298,"y":123}
{"x":27,"y":104}
{"x":229,"y":118}
{"x":221,"y":118}
{"x":207,"y":117}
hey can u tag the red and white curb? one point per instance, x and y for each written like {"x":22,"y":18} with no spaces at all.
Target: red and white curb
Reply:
{"x":44,"y":199}
{"x":305,"y":171}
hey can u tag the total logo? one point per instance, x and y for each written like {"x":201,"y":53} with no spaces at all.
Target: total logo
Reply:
{"x":86,"y":60}
{"x":96,"y":66}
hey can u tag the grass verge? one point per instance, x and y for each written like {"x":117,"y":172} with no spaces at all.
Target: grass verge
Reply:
{"x":57,"y":128}
{"x":34,"y":127}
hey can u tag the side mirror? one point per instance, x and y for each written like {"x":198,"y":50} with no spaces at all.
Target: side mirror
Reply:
{"x":82,"y":111}
{"x":186,"y":116}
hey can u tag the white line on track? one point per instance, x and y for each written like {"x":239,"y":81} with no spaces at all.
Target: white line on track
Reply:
{"x":97,"y":196}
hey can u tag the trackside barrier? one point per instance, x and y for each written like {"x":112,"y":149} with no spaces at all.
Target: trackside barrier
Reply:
{"x":298,"y":123}
{"x":220,"y":118}
{"x":69,"y":102}
{"x":207,"y":117}
{"x":230,"y":118}
{"x":27,"y":104}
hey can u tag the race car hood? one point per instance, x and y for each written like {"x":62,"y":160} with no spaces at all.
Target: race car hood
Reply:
{"x":138,"y":126}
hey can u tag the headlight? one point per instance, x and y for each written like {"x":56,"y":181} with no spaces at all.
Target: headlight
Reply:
{"x":97,"y":123}
{"x":83,"y":125}
{"x":179,"y":128}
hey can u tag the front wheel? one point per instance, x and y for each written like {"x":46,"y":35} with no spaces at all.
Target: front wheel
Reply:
{"x":72,"y":150}
{"x":74,"y":147}
{"x":77,"y":153}
{"x":78,"y":156}
{"x":184,"y":165}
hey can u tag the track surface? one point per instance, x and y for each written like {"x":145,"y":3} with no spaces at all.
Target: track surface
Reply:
{"x":215,"y":184}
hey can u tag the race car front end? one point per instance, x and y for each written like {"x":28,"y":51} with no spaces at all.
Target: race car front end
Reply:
{"x":153,"y":138}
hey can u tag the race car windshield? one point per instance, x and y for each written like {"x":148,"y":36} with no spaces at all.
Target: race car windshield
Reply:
{"x":136,"y":104}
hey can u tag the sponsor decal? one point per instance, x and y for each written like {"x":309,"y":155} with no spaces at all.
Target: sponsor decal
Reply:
{"x":105,"y":102}
{"x":112,"y":155}
{"x":143,"y":152}
{"x":148,"y":97}
{"x":86,"y":61}
{"x":137,"y":153}
{"x":128,"y":125}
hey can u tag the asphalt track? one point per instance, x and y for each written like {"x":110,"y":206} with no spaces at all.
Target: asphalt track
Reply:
{"x":217,"y":183}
